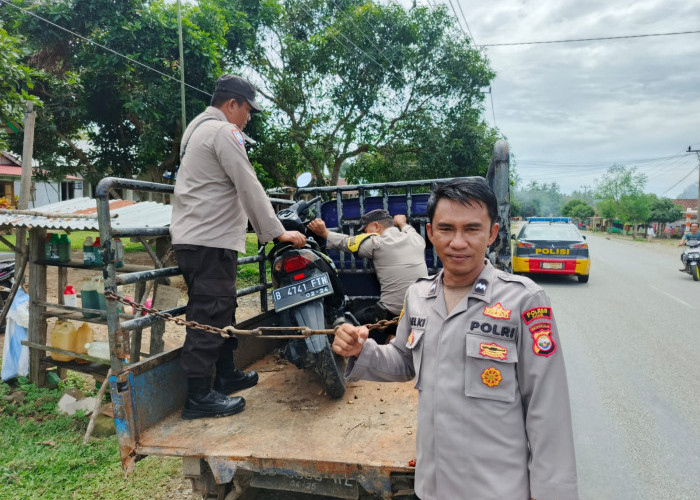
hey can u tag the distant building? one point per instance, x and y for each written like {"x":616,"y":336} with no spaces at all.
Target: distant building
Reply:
{"x":41,"y":193}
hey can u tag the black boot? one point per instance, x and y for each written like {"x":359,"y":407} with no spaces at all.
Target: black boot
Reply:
{"x":203,"y":402}
{"x":228,"y":379}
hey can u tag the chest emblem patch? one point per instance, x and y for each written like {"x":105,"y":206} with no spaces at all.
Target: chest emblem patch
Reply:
{"x":411,"y":339}
{"x":536,"y":313}
{"x":542,"y":343}
{"x":239,"y":137}
{"x":497,"y":311}
{"x":491,"y":377}
{"x":493,"y":351}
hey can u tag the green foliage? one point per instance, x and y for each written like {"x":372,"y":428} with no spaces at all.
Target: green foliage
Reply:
{"x":15,"y":82}
{"x":663,"y":210}
{"x":404,"y":106}
{"x":578,"y":209}
{"x":43,"y":456}
{"x":620,"y":195}
{"x":106,"y":115}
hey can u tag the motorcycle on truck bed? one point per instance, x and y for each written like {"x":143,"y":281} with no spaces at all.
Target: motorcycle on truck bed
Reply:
{"x":296,"y":433}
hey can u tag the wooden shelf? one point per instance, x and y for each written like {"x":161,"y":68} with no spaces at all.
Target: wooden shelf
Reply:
{"x":79,"y":264}
{"x":97,"y":369}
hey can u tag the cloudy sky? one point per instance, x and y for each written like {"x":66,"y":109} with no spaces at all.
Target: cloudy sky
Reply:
{"x":571,"y":110}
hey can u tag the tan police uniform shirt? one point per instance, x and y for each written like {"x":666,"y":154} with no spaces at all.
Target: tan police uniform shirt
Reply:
{"x":398,"y":257}
{"x":217,"y":191}
{"x":494,"y":421}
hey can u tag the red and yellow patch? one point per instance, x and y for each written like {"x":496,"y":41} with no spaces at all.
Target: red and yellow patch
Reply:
{"x":411,"y":338}
{"x":491,"y":377}
{"x":538,"y":327}
{"x":536,"y":313}
{"x":497,"y":311}
{"x":493,"y":351}
{"x":542,"y":343}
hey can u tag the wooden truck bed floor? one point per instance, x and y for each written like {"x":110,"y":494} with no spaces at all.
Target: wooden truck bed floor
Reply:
{"x":289,"y":424}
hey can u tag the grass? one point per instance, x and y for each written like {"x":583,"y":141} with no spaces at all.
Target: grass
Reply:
{"x":42,"y":455}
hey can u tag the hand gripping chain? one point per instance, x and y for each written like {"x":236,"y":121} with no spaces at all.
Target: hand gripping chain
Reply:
{"x":230,"y":331}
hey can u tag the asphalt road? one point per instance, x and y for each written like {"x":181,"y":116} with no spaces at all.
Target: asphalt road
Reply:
{"x":631,"y":340}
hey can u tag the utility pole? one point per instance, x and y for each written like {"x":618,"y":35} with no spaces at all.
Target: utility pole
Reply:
{"x":26,"y":179}
{"x":697,"y":152}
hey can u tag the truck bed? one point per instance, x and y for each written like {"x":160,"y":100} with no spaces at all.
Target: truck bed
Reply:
{"x":290,"y":429}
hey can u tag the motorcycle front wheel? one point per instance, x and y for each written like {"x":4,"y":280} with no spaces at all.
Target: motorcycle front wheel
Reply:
{"x":695,"y":271}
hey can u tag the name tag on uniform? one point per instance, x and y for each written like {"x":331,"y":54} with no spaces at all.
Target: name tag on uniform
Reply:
{"x":417,"y":330}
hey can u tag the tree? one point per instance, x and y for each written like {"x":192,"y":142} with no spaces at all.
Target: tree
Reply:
{"x":15,"y":81}
{"x":635,"y":208}
{"x":107,"y":115}
{"x":395,"y":90}
{"x":664,"y":211}
{"x":618,"y":184}
{"x":570,"y":205}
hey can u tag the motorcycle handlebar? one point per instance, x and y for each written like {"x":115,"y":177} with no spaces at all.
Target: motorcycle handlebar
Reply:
{"x":303,"y":204}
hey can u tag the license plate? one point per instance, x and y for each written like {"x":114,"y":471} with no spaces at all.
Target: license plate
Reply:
{"x":552,"y":265}
{"x":301,"y":291}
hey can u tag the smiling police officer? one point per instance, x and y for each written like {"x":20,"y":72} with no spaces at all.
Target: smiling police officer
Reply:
{"x":494,"y":420}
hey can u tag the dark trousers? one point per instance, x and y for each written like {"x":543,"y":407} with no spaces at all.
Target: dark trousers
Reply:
{"x":372,"y":314}
{"x":210,"y":275}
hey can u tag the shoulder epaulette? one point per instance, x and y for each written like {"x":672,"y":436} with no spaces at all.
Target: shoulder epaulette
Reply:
{"x":354,"y":242}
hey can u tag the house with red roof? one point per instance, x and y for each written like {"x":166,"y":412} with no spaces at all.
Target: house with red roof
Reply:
{"x":41,"y":192}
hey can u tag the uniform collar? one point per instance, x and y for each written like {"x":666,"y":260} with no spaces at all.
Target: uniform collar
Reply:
{"x":481,"y":289}
{"x":483,"y":285}
{"x":216,"y":113}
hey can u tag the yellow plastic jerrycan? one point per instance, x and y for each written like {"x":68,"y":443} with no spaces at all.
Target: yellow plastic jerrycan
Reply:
{"x":63,"y":337}
{"x":84,"y":335}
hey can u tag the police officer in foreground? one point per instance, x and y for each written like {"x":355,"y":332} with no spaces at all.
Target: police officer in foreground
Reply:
{"x":216,"y":192}
{"x":494,"y":420}
{"x":398,"y":255}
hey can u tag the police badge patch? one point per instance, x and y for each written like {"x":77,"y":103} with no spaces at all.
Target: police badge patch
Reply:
{"x":239,"y":137}
{"x":542,"y":343}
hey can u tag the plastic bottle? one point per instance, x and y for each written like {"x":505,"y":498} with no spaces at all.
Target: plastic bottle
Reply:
{"x":47,"y":246}
{"x":98,"y":349}
{"x":118,"y":253}
{"x":64,"y":248}
{"x":53,"y":247}
{"x":88,"y":253}
{"x":92,"y":295}
{"x":63,"y":337}
{"x":84,"y":335}
{"x":97,"y":250}
{"x":70,"y":298}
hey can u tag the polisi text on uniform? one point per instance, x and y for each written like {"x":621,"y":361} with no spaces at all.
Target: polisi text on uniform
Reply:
{"x":418,"y":322}
{"x":494,"y":329}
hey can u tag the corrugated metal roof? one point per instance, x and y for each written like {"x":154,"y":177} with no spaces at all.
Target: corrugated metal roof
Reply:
{"x":128,"y":214}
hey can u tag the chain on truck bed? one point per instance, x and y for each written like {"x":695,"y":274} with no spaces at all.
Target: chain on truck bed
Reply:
{"x":230,"y":331}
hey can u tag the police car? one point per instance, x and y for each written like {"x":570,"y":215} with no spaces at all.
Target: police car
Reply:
{"x":551,"y":245}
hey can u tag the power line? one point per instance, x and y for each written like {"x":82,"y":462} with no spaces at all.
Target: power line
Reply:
{"x":572,"y":40}
{"x":6,"y":2}
{"x":465,"y":21}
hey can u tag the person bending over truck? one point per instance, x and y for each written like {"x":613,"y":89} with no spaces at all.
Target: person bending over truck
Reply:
{"x":398,"y":255}
{"x":494,"y":420}
{"x":215,"y":193}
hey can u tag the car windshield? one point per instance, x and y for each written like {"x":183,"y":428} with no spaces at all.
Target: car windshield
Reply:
{"x":563,"y":232}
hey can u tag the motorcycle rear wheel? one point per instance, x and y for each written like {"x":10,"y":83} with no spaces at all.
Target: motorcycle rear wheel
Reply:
{"x":695,"y":271}
{"x":330,"y":368}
